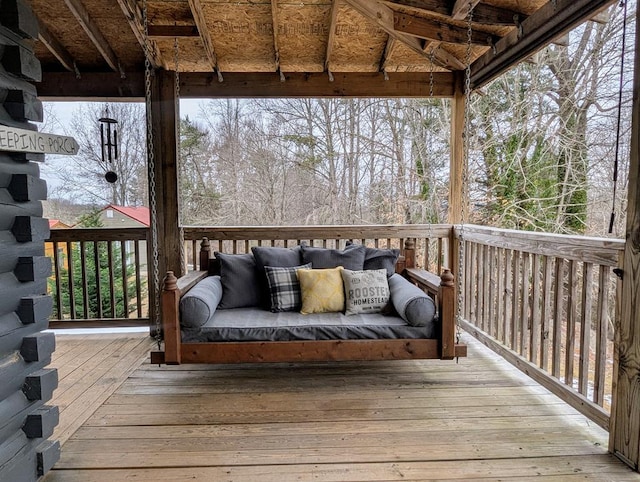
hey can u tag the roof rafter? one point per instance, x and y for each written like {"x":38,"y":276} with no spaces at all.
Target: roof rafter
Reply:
{"x":205,"y":35}
{"x":550,"y":21}
{"x":56,"y":48}
{"x":276,"y":47}
{"x":388,"y":48}
{"x":483,"y":13}
{"x":461,"y":8}
{"x":383,"y":16}
{"x":332,"y":34}
{"x":95,"y":35}
{"x":136,"y":22}
{"x":440,"y":31}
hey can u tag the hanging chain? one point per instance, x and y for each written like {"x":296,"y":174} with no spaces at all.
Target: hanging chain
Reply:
{"x":155,"y":273}
{"x":176,"y":58}
{"x":465,"y":168}
{"x":432,"y":55}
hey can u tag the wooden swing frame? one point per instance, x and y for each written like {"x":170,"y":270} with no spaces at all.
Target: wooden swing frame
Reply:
{"x":445,"y":347}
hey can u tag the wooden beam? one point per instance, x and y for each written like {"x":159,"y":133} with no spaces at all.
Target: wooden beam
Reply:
{"x":383,"y":16}
{"x":205,"y":35}
{"x":55,"y":47}
{"x":439,"y":31}
{"x":332,"y":34}
{"x":108,"y":85}
{"x":550,"y":21}
{"x":136,"y":21}
{"x":93,"y":32}
{"x":388,"y":48}
{"x":625,"y":426}
{"x":483,"y":13}
{"x":93,"y":85}
{"x":173,"y":31}
{"x":461,"y":8}
{"x":164,"y":125}
{"x":298,"y":84}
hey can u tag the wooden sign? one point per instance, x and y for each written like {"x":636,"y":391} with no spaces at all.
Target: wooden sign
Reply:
{"x":21,"y":140}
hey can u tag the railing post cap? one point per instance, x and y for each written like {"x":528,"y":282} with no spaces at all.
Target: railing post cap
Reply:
{"x":170,"y":282}
{"x":446,"y":279}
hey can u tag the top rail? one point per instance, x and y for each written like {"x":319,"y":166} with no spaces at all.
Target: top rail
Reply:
{"x":603,"y":251}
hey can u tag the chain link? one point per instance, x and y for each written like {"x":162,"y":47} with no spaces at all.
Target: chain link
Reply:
{"x":465,"y":168}
{"x":155,"y":272}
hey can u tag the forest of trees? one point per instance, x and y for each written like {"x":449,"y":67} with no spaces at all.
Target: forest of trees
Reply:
{"x":542,"y":144}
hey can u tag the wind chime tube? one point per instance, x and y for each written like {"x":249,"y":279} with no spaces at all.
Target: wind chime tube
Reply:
{"x":109,"y":140}
{"x":115,"y":144}
{"x":102,"y":140}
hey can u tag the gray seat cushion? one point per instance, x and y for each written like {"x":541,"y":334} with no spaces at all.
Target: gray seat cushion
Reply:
{"x":198,"y":306}
{"x":412,"y":304}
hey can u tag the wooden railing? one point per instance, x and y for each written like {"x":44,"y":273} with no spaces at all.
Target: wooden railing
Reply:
{"x":432,"y":241}
{"x":547,"y":303}
{"x":99,"y":275}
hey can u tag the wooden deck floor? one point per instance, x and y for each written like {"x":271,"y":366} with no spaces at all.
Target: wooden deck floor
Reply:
{"x":481,"y":419}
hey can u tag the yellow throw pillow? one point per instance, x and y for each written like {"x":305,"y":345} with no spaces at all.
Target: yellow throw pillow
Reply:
{"x":322,"y":290}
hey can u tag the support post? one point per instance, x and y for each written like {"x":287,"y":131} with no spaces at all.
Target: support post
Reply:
{"x":164,"y":126}
{"x":625,"y":419}
{"x":456,"y":163}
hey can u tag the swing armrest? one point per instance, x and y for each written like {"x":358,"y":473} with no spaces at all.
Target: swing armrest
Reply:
{"x":443,"y":289}
{"x":172,"y":290}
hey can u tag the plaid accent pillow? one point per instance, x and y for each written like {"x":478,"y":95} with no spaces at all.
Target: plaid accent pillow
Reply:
{"x":284,"y":287}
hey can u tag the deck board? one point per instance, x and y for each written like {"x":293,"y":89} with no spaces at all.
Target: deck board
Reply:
{"x":480,"y":419}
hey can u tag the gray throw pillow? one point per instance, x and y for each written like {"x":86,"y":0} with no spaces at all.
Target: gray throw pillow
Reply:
{"x":351,"y":257}
{"x":375,"y":258}
{"x":239,"y":279}
{"x":199,"y":304}
{"x":412,"y":304}
{"x":275,"y":257}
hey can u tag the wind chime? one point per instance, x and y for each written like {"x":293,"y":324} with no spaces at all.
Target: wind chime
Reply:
{"x":109,"y":144}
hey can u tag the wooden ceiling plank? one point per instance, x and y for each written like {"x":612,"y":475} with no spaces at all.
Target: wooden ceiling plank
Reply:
{"x":461,"y":8}
{"x":550,"y":21}
{"x":483,"y":13}
{"x":93,"y":32}
{"x":205,"y":35}
{"x":440,"y":31}
{"x":56,"y":48}
{"x":136,"y":21}
{"x":332,"y":34}
{"x":65,"y":85}
{"x":382,"y":16}
{"x":448,"y":60}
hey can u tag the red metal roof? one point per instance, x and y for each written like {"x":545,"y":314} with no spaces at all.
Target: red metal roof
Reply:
{"x":140,"y":213}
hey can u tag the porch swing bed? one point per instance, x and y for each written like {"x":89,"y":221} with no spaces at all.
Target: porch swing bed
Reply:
{"x":204,"y":323}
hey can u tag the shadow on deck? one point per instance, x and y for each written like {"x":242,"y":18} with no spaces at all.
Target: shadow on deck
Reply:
{"x":124,"y":419}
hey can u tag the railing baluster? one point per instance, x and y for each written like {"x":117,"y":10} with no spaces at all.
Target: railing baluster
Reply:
{"x":515,"y":289}
{"x":499,"y":271}
{"x":112,"y":288}
{"x":585,"y":327}
{"x":508,"y":295}
{"x":525,"y":304}
{"x":534,"y":334}
{"x":545,"y":327}
{"x":58,"y":284}
{"x":98,"y":267}
{"x":601,"y":335}
{"x":136,"y":258}
{"x":572,"y":307}
{"x":125,"y":290}
{"x":558,"y":303}
{"x":72,"y":296}
{"x":84,"y":281}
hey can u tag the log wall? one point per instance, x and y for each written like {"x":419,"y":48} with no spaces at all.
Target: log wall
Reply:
{"x":26,"y":421}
